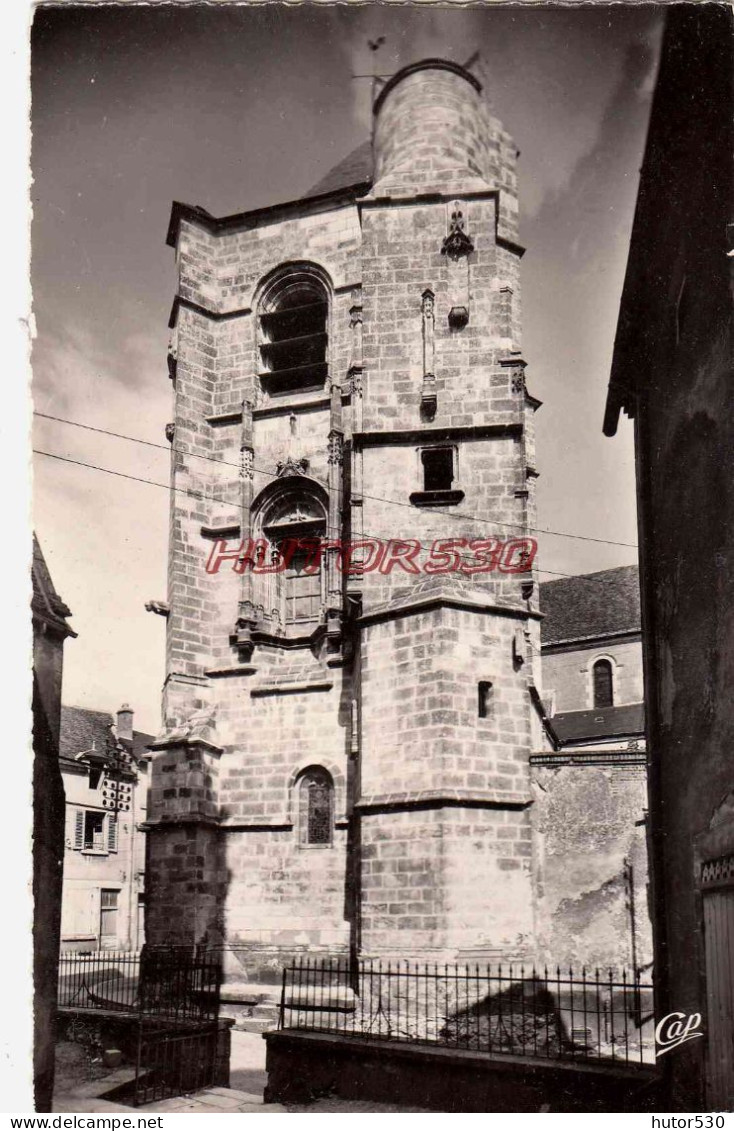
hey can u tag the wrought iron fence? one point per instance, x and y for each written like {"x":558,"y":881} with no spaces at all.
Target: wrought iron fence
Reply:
{"x":104,"y":980}
{"x":178,"y":983}
{"x":586,"y":1015}
{"x":174,"y":1060}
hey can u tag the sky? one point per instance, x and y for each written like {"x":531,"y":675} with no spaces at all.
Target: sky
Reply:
{"x":235,"y":107}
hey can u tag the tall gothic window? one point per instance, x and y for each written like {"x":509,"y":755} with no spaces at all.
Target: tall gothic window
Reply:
{"x":603,"y":684}
{"x":290,"y":527}
{"x":293,"y":332}
{"x":316,"y":807}
{"x":294,"y":529}
{"x":303,"y":574}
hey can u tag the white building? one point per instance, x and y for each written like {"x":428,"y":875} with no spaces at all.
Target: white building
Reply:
{"x":104,"y":765}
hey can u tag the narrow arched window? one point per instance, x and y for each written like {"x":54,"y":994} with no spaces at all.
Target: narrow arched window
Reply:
{"x":293,"y":333}
{"x":316,"y":807}
{"x":295,"y":524}
{"x":603,"y":684}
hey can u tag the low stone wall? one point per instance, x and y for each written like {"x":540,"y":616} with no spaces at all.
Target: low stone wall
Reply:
{"x":303,"y":1067}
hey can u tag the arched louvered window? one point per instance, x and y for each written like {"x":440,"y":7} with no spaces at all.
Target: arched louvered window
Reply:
{"x":293,"y":332}
{"x":294,"y":524}
{"x":316,"y":807}
{"x":603,"y":684}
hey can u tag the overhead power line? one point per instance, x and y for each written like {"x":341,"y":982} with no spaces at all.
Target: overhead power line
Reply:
{"x":375,"y":498}
{"x":235,"y":506}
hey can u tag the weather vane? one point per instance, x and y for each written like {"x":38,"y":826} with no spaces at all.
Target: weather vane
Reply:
{"x":374,"y":46}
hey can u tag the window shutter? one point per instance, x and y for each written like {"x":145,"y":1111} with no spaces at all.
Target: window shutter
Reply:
{"x":111,"y":832}
{"x":79,"y":829}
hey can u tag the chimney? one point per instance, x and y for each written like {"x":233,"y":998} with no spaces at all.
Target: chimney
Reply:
{"x":125,"y":723}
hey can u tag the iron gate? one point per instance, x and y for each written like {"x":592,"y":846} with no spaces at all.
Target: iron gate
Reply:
{"x":178,"y":1031}
{"x":174,"y":1061}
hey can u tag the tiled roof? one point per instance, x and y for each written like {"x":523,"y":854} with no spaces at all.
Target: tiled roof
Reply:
{"x":604,"y":722}
{"x":590,"y":605}
{"x":83,"y":729}
{"x":352,"y":170}
{"x":46,"y":602}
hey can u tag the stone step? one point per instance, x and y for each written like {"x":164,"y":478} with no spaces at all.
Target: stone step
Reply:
{"x":256,"y":1024}
{"x":266,"y":1009}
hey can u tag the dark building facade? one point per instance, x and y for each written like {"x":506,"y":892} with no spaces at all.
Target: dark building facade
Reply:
{"x":672,"y":372}
{"x":50,"y":630}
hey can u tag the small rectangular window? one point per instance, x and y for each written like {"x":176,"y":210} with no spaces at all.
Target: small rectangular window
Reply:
{"x":484,"y":698}
{"x":438,"y":469}
{"x":108,"y":913}
{"x":94,"y":831}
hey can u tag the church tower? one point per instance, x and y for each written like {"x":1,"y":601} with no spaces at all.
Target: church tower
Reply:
{"x":352,"y":642}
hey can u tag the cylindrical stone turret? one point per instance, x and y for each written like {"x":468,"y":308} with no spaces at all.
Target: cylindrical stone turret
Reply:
{"x":433,"y":129}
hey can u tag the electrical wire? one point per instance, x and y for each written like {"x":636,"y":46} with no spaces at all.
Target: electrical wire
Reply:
{"x":376,"y":498}
{"x":236,"y":506}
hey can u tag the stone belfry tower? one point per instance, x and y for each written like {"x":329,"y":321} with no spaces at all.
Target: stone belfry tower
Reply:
{"x":343,"y":760}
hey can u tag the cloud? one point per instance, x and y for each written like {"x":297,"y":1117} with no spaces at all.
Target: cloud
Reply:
{"x":104,"y":536}
{"x":78,"y":369}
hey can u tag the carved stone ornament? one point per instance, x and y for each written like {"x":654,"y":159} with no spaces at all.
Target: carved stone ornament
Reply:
{"x":458,"y":317}
{"x":429,"y":401}
{"x":161,"y":608}
{"x":336,"y":447}
{"x":248,"y":463}
{"x":291,"y":466}
{"x":172,"y":360}
{"x":170,"y":432}
{"x":457,"y":244}
{"x":518,"y":381}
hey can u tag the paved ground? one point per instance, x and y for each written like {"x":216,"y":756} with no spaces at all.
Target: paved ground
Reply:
{"x":247,"y":1079}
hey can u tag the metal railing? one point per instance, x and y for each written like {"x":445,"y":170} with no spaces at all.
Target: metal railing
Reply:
{"x":173,"y":1061}
{"x":503,"y":1010}
{"x":104,"y":979}
{"x":178,"y":983}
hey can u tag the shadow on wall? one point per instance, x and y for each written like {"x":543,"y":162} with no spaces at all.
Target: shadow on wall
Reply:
{"x":522,"y":1018}
{"x":565,"y":1019}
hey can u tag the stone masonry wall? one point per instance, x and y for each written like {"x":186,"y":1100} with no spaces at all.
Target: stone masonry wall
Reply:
{"x":186,"y":883}
{"x":283,"y":898}
{"x":568,"y":674}
{"x":421,"y":731}
{"x":587,"y":821}
{"x":444,"y":883}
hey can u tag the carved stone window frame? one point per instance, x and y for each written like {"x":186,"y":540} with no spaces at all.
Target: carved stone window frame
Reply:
{"x":266,"y":510}
{"x":291,"y":273}
{"x":309,"y":779}
{"x":436,"y":498}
